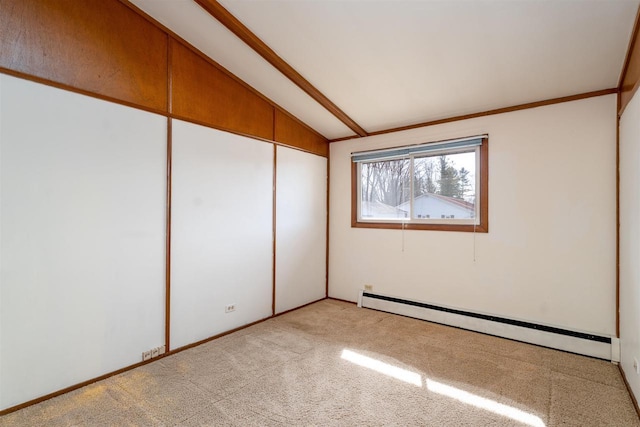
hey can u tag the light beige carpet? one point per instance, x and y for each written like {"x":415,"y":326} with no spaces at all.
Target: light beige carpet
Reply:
{"x":333,"y":364}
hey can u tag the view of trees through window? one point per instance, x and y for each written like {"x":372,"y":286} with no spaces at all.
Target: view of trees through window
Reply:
{"x":444,"y":187}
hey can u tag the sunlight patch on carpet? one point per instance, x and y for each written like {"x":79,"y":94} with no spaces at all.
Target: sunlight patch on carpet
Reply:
{"x":484,"y":403}
{"x":443,"y":389}
{"x":383,"y":368}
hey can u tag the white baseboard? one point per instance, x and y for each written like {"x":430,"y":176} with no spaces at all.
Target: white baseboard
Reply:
{"x":603,"y":347}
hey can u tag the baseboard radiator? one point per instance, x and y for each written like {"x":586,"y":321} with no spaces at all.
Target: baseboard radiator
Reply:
{"x":602,"y":347}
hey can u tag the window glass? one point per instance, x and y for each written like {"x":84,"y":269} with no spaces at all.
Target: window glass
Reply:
{"x":444,"y":187}
{"x":385,"y":186}
{"x":441,"y":186}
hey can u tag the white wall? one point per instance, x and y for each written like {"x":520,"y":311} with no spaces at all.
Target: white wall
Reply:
{"x":301,"y":232}
{"x":630,"y":241}
{"x":549,"y":256}
{"x":221,"y":232}
{"x":82,"y":235}
{"x":82,"y":252}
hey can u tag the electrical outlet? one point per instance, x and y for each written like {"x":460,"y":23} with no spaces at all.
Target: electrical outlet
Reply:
{"x":146,"y":355}
{"x":154,"y":352}
{"x":229,"y":308}
{"x":368,"y":287}
{"x":161,"y":350}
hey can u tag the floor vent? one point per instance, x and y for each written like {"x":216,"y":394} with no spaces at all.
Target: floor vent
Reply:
{"x":603,"y":347}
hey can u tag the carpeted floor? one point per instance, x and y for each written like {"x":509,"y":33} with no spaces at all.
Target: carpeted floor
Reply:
{"x":333,"y":364}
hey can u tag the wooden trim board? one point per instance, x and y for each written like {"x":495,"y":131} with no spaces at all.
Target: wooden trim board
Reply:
{"x":217,"y":11}
{"x":630,"y":75}
{"x":490,"y":112}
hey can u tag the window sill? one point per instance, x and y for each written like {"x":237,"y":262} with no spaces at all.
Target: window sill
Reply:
{"x":468,"y":228}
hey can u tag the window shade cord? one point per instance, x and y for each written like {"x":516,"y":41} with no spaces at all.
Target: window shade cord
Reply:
{"x":474,"y":241}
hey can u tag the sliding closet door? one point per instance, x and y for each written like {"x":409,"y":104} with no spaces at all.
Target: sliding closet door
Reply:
{"x":82,"y":229}
{"x":221,"y":232}
{"x":301,"y":231}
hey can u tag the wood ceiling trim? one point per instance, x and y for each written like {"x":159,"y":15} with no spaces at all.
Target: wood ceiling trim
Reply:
{"x":630,"y":47}
{"x":630,"y":76}
{"x":216,"y":10}
{"x":491,"y":112}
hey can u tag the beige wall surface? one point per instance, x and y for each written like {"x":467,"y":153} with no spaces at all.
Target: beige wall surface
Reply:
{"x":549,"y":256}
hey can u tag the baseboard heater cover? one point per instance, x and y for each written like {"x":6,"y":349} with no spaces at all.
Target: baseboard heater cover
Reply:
{"x":587,"y":344}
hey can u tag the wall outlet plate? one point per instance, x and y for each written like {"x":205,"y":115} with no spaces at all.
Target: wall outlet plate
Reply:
{"x":162,"y":350}
{"x":146,"y":355}
{"x":229,"y":308}
{"x":154,"y":352}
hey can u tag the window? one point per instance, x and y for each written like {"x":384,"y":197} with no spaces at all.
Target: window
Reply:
{"x":436,"y":186}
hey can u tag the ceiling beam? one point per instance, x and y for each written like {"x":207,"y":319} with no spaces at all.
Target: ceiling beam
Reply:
{"x":216,"y":10}
{"x":630,"y":48}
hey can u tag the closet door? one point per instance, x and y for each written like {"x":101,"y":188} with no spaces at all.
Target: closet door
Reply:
{"x":301,"y":228}
{"x":221,"y":232}
{"x":82,"y":237}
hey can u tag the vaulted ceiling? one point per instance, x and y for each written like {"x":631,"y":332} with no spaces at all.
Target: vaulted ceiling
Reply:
{"x":375,"y":65}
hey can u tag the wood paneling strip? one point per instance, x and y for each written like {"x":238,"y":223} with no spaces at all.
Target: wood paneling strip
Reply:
{"x":167,"y":267}
{"x":275,"y":228}
{"x":290,"y":132}
{"x":630,"y":77}
{"x":202,"y":92}
{"x":326,"y":286}
{"x":216,"y":10}
{"x":618,"y":220}
{"x":98,"y":46}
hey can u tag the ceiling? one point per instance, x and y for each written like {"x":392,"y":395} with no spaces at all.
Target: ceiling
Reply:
{"x":394,"y":63}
